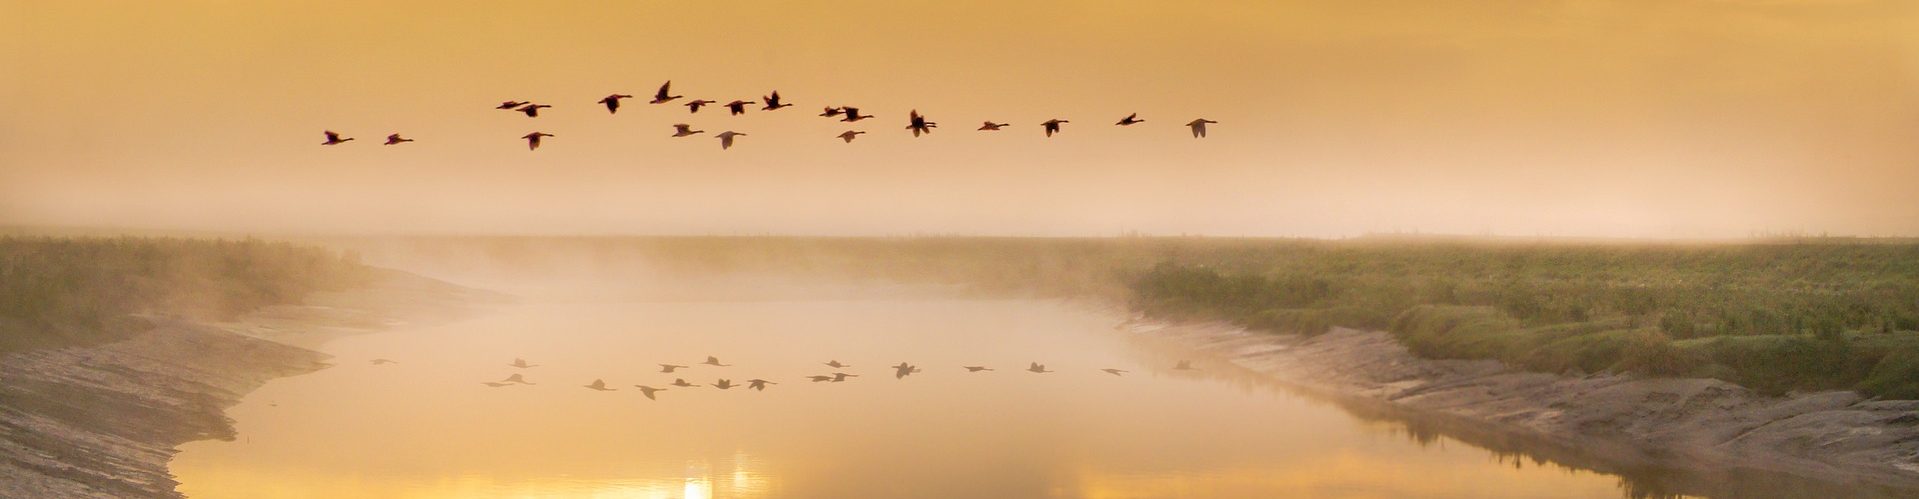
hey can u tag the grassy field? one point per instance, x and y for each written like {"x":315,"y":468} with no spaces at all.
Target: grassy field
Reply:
{"x":71,"y":291}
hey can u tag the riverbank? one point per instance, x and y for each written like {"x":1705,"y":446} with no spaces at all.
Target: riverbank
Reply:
{"x":1694,"y":424}
{"x":103,"y":420}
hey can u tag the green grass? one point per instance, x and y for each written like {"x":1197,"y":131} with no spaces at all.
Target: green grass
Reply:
{"x":72,"y":291}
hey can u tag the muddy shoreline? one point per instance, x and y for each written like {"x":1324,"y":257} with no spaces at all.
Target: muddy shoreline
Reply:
{"x":1609,"y":423}
{"x":103,"y":421}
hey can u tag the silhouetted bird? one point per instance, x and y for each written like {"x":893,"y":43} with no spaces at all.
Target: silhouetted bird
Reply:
{"x":396,"y":139}
{"x":849,"y":135}
{"x":681,"y":382}
{"x":773,"y":102}
{"x":991,"y":126}
{"x":661,"y":96}
{"x":613,"y":102}
{"x":723,"y":384}
{"x":682,"y":130}
{"x":599,"y":385}
{"x":334,"y":139}
{"x":974,"y":369}
{"x":521,"y":363}
{"x":737,"y":107}
{"x":533,"y":110}
{"x":1130,"y":119}
{"x":516,"y":379}
{"x":836,"y":364}
{"x":1038,"y":368}
{"x":832,"y":111}
{"x":1199,"y":127}
{"x":495,"y":384}
{"x":726,"y":138}
{"x":512,"y":104}
{"x":853,"y":114}
{"x":919,"y":125}
{"x":714,"y":361}
{"x":695,"y":104}
{"x":381,"y":362}
{"x":668,"y":368}
{"x":900,"y":371}
{"x":1052,"y":126}
{"x":758,"y":384}
{"x":1114,"y":372}
{"x":1183,"y":366}
{"x":533,"y":140}
{"x":838,"y":377}
{"x":648,"y":391}
{"x":817,"y":379}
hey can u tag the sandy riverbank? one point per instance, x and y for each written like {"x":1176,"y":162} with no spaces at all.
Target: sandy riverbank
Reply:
{"x":1703,"y":425}
{"x":103,"y":421}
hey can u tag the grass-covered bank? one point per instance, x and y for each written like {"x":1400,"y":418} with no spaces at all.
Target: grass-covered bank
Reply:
{"x":73,"y":291}
{"x":1774,"y":317}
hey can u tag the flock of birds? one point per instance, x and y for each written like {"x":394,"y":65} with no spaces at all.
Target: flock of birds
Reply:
{"x":916,"y":122}
{"x":900,"y":371}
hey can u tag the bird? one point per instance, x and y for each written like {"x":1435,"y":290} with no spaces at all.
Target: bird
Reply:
{"x":521,"y":363}
{"x":737,"y":107}
{"x":532,"y":110}
{"x":396,"y":139}
{"x":682,"y":130}
{"x":773,"y":102}
{"x":1199,"y":127}
{"x":1184,"y":365}
{"x":1038,"y":368}
{"x":726,"y":138}
{"x":832,"y":111}
{"x":991,"y":126}
{"x":694,"y":105}
{"x":849,"y":135}
{"x":838,"y":377}
{"x":853,"y":114}
{"x":510,"y":105}
{"x":381,"y":362}
{"x":817,"y":379}
{"x":1115,"y":372}
{"x":662,"y":96}
{"x":900,"y":371}
{"x":533,"y":140}
{"x":599,"y":385}
{"x":648,"y":391}
{"x":516,"y":379}
{"x":758,"y":384}
{"x":668,"y":368}
{"x":919,"y":125}
{"x":1130,"y":119}
{"x":714,"y":361}
{"x":333,"y":139}
{"x":723,"y":384}
{"x":681,"y":382}
{"x":613,"y":102}
{"x":974,"y":369}
{"x":495,"y":384}
{"x":837,"y":364}
{"x":1052,"y":126}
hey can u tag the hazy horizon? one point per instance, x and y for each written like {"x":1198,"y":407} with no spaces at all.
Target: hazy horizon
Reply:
{"x":1695,"y":119}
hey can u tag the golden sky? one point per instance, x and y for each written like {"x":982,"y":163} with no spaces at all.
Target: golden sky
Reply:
{"x":1636,"y":118}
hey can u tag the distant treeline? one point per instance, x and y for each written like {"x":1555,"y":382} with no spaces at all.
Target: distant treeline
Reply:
{"x":67,"y":291}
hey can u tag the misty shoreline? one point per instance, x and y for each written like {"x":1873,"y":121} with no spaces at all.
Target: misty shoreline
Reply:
{"x":1612,"y":422}
{"x":104,"y":421}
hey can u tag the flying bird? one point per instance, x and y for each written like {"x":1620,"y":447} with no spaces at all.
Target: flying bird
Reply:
{"x":974,"y":369}
{"x":334,"y":139}
{"x":838,"y":377}
{"x":533,"y":140}
{"x":1038,"y":368}
{"x":1115,"y":372}
{"x":737,"y":107}
{"x":919,"y":125}
{"x":773,"y":102}
{"x":495,"y":384}
{"x":900,"y":371}
{"x":532,"y":110}
{"x":714,"y":361}
{"x":848,"y":137}
{"x":682,"y":130}
{"x":817,"y":379}
{"x":599,"y":385}
{"x":1199,"y":127}
{"x":1130,"y":119}
{"x":853,"y":114}
{"x":694,"y":105}
{"x":991,"y":126}
{"x":1184,"y":365}
{"x":1052,"y":126}
{"x":724,"y":384}
{"x":668,"y":368}
{"x":832,"y":111}
{"x":648,"y":391}
{"x":521,"y":363}
{"x":510,"y":105}
{"x":758,"y":384}
{"x":662,"y":96}
{"x":837,"y":365}
{"x":516,"y":379}
{"x":396,"y":139}
{"x":613,"y":102}
{"x":381,"y":362}
{"x":726,"y":138}
{"x":681,"y":382}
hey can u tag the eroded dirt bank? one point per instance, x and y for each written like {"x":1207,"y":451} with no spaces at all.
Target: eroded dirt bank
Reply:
{"x":103,"y":421}
{"x":1696,"y":424}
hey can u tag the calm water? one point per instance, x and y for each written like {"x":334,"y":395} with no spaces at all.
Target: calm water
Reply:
{"x":427,"y":428}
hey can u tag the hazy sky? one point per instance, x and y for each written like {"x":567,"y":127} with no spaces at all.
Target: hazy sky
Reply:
{"x":1646,"y":118}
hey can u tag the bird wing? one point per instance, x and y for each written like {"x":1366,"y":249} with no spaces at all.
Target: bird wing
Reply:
{"x":663,"y":89}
